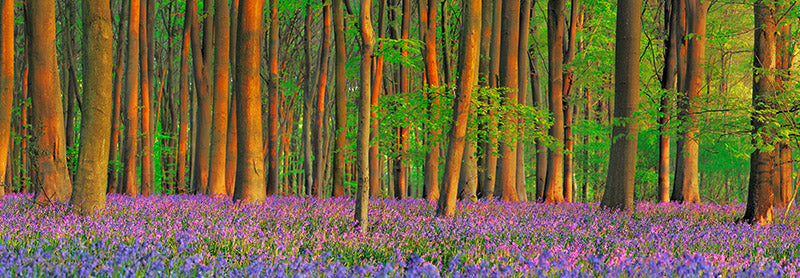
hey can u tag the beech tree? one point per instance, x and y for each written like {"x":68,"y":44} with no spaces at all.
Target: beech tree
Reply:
{"x":6,"y":84}
{"x":204,"y":104}
{"x":364,"y":104}
{"x":250,"y":176}
{"x":509,"y":77}
{"x":624,"y":134}
{"x":319,"y":109}
{"x":554,"y":192}
{"x":428,"y":32}
{"x":219,"y":134}
{"x":52,"y":181}
{"x":273,"y":95}
{"x":468,"y":67}
{"x":132,"y":101}
{"x":89,"y":192}
{"x":341,"y":100}
{"x":669,"y":75}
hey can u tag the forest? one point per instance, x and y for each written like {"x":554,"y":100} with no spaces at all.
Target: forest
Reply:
{"x":399,"y":138}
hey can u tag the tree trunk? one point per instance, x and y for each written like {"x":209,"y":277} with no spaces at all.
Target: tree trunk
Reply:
{"x":272,"y":116}
{"x":377,"y":90}
{"x":219,"y":134}
{"x":541,"y":149}
{"x":113,"y":153}
{"x":554,"y":192}
{"x":250,"y":176}
{"x":483,"y":82}
{"x":522,"y":97}
{"x":364,"y":104}
{"x":468,"y":69}
{"x":671,"y":45}
{"x":569,"y":101}
{"x":432,"y":75}
{"x":341,"y":100}
{"x":622,"y":163}
{"x":489,"y":147}
{"x":204,"y":104}
{"x":509,"y":79}
{"x":762,"y":165}
{"x":308,"y":105}
{"x":145,"y":78}
{"x":71,"y":94}
{"x":231,"y":153}
{"x":686,"y":188}
{"x":183,"y":133}
{"x":318,"y":129}
{"x":6,"y":83}
{"x":784,"y":54}
{"x":132,"y":101}
{"x":89,"y":192}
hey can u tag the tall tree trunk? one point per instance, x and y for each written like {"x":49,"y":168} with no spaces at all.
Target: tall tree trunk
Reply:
{"x":203,"y":110}
{"x":318,"y":130}
{"x":219,"y":134}
{"x":762,"y":166}
{"x":113,"y":154}
{"x":468,"y":69}
{"x":89,"y":192}
{"x":231,"y":154}
{"x":489,"y":147}
{"x":671,"y":45}
{"x":364,"y":104}
{"x":250,"y":176}
{"x":509,"y":79}
{"x":622,"y":163}
{"x":377,"y":90}
{"x":208,"y":49}
{"x":686,"y":188}
{"x":483,"y":82}
{"x":132,"y":101}
{"x":522,"y":97}
{"x":183,"y":133}
{"x":784,"y":54}
{"x":68,"y":43}
{"x":569,"y":102}
{"x":432,"y":75}
{"x":538,"y":102}
{"x":308,"y":104}
{"x":272,"y":88}
{"x":52,"y":176}
{"x":145,"y":78}
{"x":341,"y":100}
{"x":6,"y":82}
{"x":554,"y":182}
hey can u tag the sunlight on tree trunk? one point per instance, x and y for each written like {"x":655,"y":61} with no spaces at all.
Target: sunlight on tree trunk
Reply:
{"x":364,"y":104}
{"x":554,"y":192}
{"x":219,"y":134}
{"x":6,"y":83}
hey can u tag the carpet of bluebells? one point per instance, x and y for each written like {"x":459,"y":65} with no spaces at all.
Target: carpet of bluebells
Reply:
{"x":187,"y":236}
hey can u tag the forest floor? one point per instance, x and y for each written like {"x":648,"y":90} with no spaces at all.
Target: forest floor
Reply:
{"x":297,"y":237}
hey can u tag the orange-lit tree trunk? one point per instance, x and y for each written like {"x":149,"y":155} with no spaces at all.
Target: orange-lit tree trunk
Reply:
{"x":341,"y":100}
{"x":52,"y":176}
{"x":671,"y":44}
{"x":432,"y":75}
{"x":377,"y":90}
{"x":231,"y":155}
{"x":308,"y":104}
{"x":509,"y":79}
{"x":208,"y":49}
{"x":71,"y":93}
{"x":204,"y":104}
{"x":113,"y":153}
{"x":219,"y":134}
{"x":6,"y":82}
{"x":522,"y":96}
{"x":364,"y":104}
{"x":89,"y":192}
{"x":250,"y":176}
{"x":686,"y":187}
{"x":488,"y":163}
{"x":569,"y":100}
{"x":538,"y":102}
{"x":132,"y":101}
{"x":622,"y":163}
{"x":762,"y":166}
{"x":467,"y":79}
{"x":272,"y":88}
{"x":318,"y":129}
{"x":146,"y":137}
{"x":554,"y":192}
{"x":183,"y":137}
{"x":784,"y":52}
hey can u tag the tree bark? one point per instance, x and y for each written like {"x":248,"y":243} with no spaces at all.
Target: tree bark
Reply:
{"x":89,"y":192}
{"x":686,"y":187}
{"x":762,"y":165}
{"x":522,"y":97}
{"x":671,"y":45}
{"x":183,"y":130}
{"x":622,"y":163}
{"x":272,"y":116}
{"x":308,"y":104}
{"x":468,"y":69}
{"x":204,"y":104}
{"x":250,"y":176}
{"x":783,"y":190}
{"x":6,"y":83}
{"x":231,"y":155}
{"x":509,"y":80}
{"x":554,"y":192}
{"x":377,"y":90}
{"x":318,"y":131}
{"x":569,"y":102}
{"x":364,"y":103}
{"x":113,"y":153}
{"x":52,"y":175}
{"x":489,"y":147}
{"x":219,"y":134}
{"x":483,"y":81}
{"x":341,"y":100}
{"x":432,"y":75}
{"x":147,"y":184}
{"x":132,"y":101}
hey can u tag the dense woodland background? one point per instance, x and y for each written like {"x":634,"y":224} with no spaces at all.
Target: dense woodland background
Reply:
{"x":716,"y":90}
